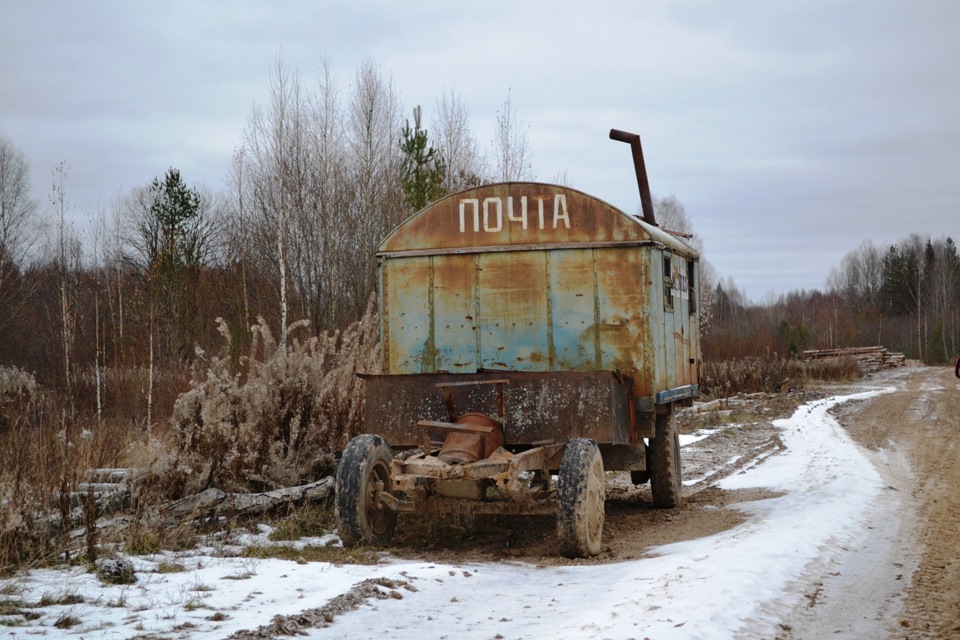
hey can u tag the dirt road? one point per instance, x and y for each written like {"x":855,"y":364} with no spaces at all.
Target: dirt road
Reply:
{"x":901,"y":580}
{"x":920,"y":421}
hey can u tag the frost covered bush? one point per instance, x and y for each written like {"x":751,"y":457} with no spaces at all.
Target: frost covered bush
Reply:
{"x":274,"y":420}
{"x":115,"y":570}
{"x":16,"y":387}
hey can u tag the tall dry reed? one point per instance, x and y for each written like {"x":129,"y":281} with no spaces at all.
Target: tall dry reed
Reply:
{"x":754,"y":374}
{"x":274,"y":419}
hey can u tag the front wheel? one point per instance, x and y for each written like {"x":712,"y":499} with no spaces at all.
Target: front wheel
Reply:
{"x":363,"y":474}
{"x":665,"y":482}
{"x":580,"y":498}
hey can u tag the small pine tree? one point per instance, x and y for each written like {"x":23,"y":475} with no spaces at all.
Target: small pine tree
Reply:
{"x":422,"y":169}
{"x":172,"y":233}
{"x":176,"y":209}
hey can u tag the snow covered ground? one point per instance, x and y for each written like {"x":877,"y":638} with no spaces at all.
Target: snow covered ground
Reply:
{"x":737,"y":583}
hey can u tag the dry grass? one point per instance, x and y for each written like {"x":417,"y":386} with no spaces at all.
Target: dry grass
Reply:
{"x":269,"y":420}
{"x":753,"y":374}
{"x":313,"y":553}
{"x":45,"y":446}
{"x":272,"y":421}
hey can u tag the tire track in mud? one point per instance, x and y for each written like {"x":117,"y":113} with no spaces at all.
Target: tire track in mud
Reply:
{"x":922,"y":418}
{"x":932,"y":606}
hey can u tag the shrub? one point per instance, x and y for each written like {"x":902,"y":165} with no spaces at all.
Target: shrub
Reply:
{"x":17,"y":389}
{"x":744,"y":375}
{"x":270,"y":423}
{"x":754,"y":374}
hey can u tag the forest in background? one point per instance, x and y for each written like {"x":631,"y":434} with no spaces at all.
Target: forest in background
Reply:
{"x":218,"y":333}
{"x":320,"y":175}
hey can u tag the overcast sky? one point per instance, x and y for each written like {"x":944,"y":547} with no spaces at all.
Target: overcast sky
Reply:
{"x":790,"y":131}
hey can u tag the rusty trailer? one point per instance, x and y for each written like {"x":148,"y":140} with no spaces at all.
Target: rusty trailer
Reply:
{"x":533,"y":338}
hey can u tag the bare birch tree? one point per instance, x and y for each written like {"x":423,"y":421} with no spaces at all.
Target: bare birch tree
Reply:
{"x":457,"y":144}
{"x":373,"y":132}
{"x":318,"y":227}
{"x":511,"y":151}
{"x":858,"y":281}
{"x":276,"y":146}
{"x":68,"y":266}
{"x":944,"y":294}
{"x":18,"y":227}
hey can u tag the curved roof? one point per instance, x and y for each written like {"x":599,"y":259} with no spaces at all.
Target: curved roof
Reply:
{"x":519,"y":215}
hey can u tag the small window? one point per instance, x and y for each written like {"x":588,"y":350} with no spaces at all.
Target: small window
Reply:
{"x":691,"y":286}
{"x":667,"y":282}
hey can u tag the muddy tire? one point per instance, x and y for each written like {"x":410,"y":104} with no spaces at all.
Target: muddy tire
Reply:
{"x":580,"y":497}
{"x":363,"y":472}
{"x":665,"y":481}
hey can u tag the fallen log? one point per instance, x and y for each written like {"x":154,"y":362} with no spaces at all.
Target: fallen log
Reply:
{"x":208,"y":504}
{"x":214,"y":502}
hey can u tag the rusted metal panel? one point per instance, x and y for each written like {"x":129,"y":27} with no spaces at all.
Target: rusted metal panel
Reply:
{"x":574,"y":314}
{"x":681,"y":326}
{"x":623,"y":329}
{"x":406,"y":294}
{"x":454,"y":310}
{"x":659,"y":303}
{"x":548,"y":406}
{"x":693,"y":357}
{"x":512,"y":289}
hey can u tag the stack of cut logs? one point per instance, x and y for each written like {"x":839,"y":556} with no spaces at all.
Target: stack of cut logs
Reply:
{"x":868,"y":358}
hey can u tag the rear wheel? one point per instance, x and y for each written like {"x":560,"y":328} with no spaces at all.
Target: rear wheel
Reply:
{"x":665,"y":481}
{"x":363,"y":474}
{"x":580,"y":497}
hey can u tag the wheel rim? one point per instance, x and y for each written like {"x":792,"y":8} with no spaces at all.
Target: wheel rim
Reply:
{"x":377,"y":516}
{"x":595,"y":502}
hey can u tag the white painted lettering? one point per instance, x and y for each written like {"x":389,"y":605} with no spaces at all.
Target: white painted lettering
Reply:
{"x":559,"y":204}
{"x":522,"y":218}
{"x":486,"y":215}
{"x":476,"y":214}
{"x":493,"y":214}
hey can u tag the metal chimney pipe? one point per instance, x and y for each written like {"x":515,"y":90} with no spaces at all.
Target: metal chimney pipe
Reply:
{"x":646,"y":201}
